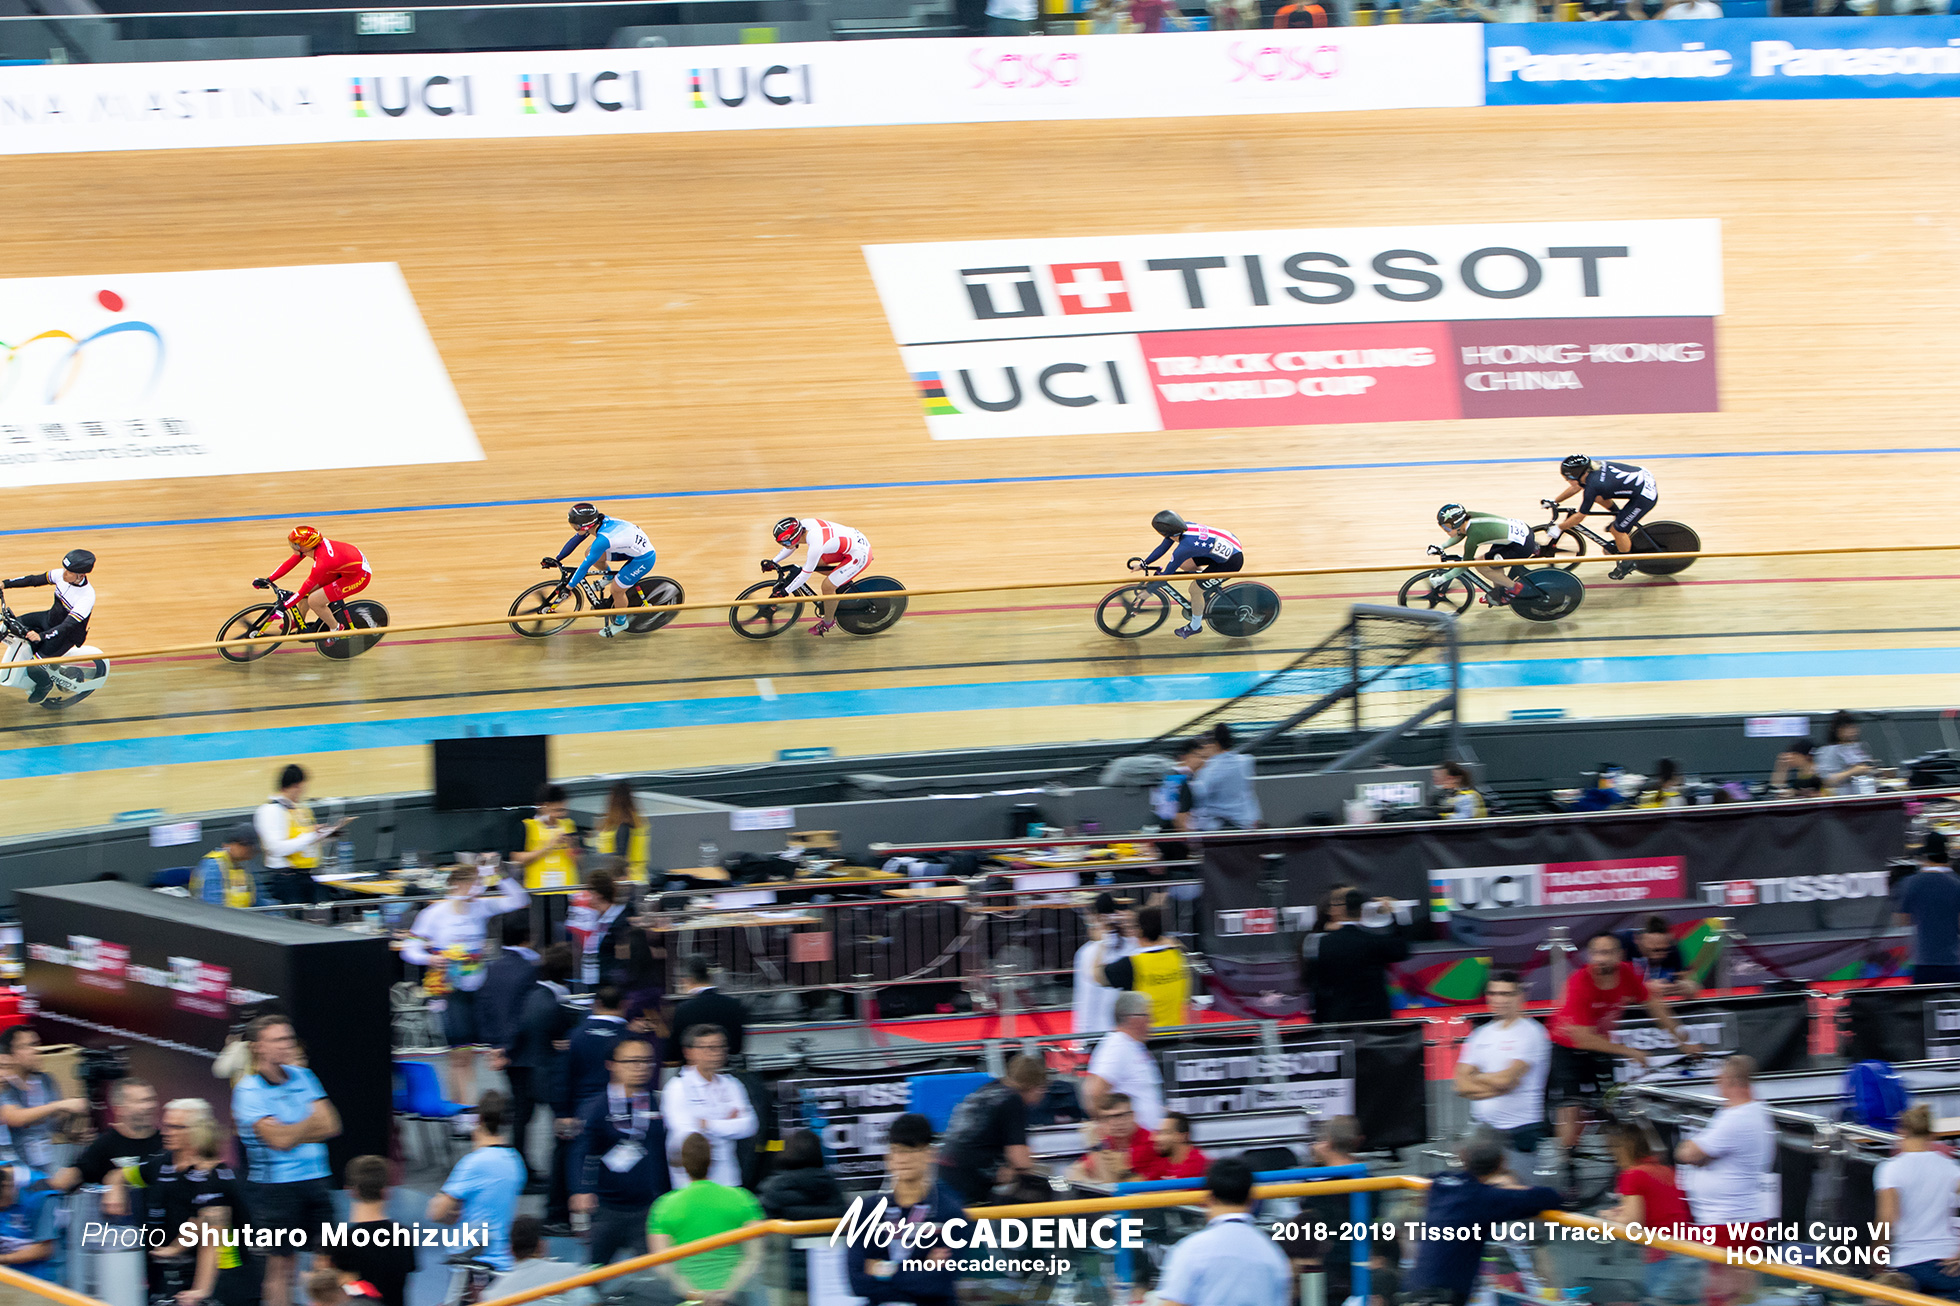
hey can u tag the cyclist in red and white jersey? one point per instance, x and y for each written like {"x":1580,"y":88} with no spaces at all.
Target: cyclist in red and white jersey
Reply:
{"x":845,"y":551}
{"x":339,"y":572}
{"x":1194,"y":548}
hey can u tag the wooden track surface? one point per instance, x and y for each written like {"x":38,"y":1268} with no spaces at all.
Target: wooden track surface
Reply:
{"x":692,"y":316}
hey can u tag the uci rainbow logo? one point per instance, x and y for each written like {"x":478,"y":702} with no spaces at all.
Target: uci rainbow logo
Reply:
{"x":66,"y":371}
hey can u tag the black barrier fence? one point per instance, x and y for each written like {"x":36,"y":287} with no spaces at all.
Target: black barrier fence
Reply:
{"x":1910,"y":1022}
{"x":1773,"y":1028}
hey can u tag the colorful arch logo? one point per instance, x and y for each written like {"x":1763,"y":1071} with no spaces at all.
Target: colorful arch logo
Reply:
{"x":65,"y":374}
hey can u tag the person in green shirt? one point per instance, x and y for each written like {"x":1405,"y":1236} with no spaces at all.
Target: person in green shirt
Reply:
{"x":700,"y":1210}
{"x":1471,"y":531}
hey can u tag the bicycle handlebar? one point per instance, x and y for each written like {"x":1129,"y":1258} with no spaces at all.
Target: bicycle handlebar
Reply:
{"x":1138,"y":564}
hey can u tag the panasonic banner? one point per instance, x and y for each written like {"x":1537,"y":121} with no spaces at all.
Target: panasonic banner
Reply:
{"x":1722,"y":59}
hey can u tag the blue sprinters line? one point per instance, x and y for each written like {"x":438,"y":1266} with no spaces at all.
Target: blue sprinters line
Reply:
{"x":852,"y":486}
{"x":602,"y":718}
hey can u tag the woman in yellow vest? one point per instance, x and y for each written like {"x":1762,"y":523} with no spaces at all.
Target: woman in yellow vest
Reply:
{"x":1158,"y":970}
{"x":551,"y":846}
{"x":222,"y":876}
{"x":622,"y":833}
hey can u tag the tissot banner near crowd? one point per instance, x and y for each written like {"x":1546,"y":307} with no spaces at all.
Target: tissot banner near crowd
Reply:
{"x":1206,"y":330}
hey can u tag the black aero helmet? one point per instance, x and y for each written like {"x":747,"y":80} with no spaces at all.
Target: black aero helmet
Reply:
{"x":1452,"y":515}
{"x":583,"y":514}
{"x":787,"y":530}
{"x":1575,"y":466}
{"x":1168,"y":524}
{"x":79,"y":560}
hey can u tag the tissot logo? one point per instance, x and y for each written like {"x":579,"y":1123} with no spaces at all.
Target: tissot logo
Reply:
{"x":395,"y":96}
{"x":1090,"y":287}
{"x":1016,"y":71}
{"x":731,"y":88}
{"x":1252,"y":62}
{"x":609,"y":92}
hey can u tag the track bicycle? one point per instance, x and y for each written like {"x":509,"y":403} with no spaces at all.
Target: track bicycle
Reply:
{"x":1550,"y":593}
{"x":861,"y":607}
{"x":1592,"y":1169}
{"x":555,"y":602}
{"x":73,"y":681}
{"x":1647,"y":537}
{"x":282,"y":618}
{"x":1235,"y":609}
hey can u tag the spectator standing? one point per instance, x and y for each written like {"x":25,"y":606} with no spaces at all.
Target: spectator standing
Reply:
{"x":702,"y":1100}
{"x":1502,"y":1068}
{"x":379,"y":1251}
{"x":1347,"y":965}
{"x":1234,"y":15}
{"x":1842,"y":759}
{"x":1122,"y":1063}
{"x":581,"y":1076}
{"x":599,"y":926}
{"x":1231,"y":1261}
{"x":702,"y":1208}
{"x":1649,"y":1196}
{"x":130,"y":1139}
{"x":1457,"y":798}
{"x":534,"y":1056}
{"x":506,"y":981}
{"x":1691,"y":9}
{"x":283,"y":1120}
{"x":1170,"y":801}
{"x":447,"y":940}
{"x":1916,"y":1187}
{"x":1222,"y":793}
{"x":986,"y":1144}
{"x":549,"y":856}
{"x":1010,"y":17}
{"x":1583,"y":1050}
{"x":29,"y":1230}
{"x":189,"y":1183}
{"x":1302,"y":13}
{"x":1732,"y":1190}
{"x":1172,"y":1154}
{"x":1106,"y":17}
{"x":31,"y":1104}
{"x":800,"y":1188}
{"x":921,"y":1274}
{"x":1158,"y":969}
{"x":290,"y":839}
{"x":706,"y":1004}
{"x":533,"y":1269}
{"x":1929,"y":901}
{"x":482,"y":1191}
{"x":622,"y":832}
{"x":222,"y":876}
{"x":1469,"y":1202}
{"x":1151,"y":15}
{"x":1656,"y":958}
{"x":1112,"y":936}
{"x":619,"y":1164}
{"x":644,"y":981}
{"x":1328,"y":1257}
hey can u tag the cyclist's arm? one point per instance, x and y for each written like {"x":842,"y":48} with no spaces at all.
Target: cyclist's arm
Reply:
{"x":593,"y":557}
{"x":292,"y":561}
{"x":1158,"y":552}
{"x":24,"y":582}
{"x":1479,"y":533}
{"x":567,"y":548}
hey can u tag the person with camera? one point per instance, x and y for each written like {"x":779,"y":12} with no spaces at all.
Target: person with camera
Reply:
{"x":1347,"y":965}
{"x":31,"y":1104}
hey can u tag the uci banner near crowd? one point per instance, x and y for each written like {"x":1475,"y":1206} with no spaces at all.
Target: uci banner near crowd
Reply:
{"x":1722,"y":59}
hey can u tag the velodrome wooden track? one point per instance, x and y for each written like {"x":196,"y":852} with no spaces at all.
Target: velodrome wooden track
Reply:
{"x":690,"y":316}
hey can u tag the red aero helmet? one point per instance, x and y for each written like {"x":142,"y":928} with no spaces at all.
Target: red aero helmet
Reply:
{"x":304,"y":537}
{"x":787,"y":530}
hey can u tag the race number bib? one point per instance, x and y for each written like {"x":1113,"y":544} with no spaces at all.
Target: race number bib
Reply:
{"x":1221,"y":548}
{"x":1520,"y":533}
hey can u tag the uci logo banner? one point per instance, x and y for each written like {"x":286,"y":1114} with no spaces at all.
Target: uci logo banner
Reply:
{"x":1721,"y":59}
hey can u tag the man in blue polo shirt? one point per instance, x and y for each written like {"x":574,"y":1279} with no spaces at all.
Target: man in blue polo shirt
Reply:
{"x":1231,"y":1261}
{"x":284,"y":1121}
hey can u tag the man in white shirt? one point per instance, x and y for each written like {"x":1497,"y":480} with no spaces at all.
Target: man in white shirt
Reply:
{"x":1732,"y":1187}
{"x":1502,"y":1070}
{"x":1122,"y":1064}
{"x":289,"y":840}
{"x":1112,"y":936}
{"x":1010,"y":17}
{"x":1231,"y":1261}
{"x":702,"y":1100}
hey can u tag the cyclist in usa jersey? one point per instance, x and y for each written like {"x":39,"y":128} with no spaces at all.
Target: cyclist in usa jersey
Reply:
{"x":1506,"y":537}
{"x":1194,"y":548}
{"x":610,"y":536}
{"x":845,"y":551}
{"x":1608,"y":481}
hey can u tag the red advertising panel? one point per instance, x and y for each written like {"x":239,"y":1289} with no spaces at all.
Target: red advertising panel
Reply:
{"x":1302,"y":375}
{"x":1619,"y":880}
{"x":1575,"y":367}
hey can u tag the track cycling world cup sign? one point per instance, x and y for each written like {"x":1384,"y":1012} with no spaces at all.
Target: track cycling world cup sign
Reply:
{"x":169,"y":374}
{"x":1209,"y":330}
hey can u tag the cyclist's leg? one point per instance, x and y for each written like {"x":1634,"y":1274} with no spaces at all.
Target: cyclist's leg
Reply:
{"x":317,"y":603}
{"x":1624,"y":521}
{"x":625,"y":579}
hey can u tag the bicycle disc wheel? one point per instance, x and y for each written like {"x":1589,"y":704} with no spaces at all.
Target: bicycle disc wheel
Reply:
{"x":1559,"y":595}
{"x":765,"y":619}
{"x":1664,"y":537}
{"x":1243,"y":610}
{"x":1435,"y":589}
{"x":1570,"y":544}
{"x":1131,"y":611}
{"x":655,"y":592}
{"x":545,"y":600}
{"x":362,"y":614}
{"x":259,"y":620}
{"x":75,"y":681}
{"x":868,"y":616}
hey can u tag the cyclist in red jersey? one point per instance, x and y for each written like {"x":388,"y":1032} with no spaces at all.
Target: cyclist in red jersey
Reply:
{"x":1583,"y":1050}
{"x":339,"y":572}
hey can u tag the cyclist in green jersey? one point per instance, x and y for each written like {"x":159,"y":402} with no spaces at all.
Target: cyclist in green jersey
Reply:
{"x":1504,"y":536}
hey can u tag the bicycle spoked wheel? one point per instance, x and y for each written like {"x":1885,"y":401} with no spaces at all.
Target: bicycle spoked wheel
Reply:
{"x":551,"y":602}
{"x":1435,"y":589}
{"x":1664,"y":537}
{"x":655,"y":592}
{"x":256,"y":622}
{"x":1131,"y":611}
{"x":1243,"y":610}
{"x":1570,"y":544}
{"x":765,"y":619}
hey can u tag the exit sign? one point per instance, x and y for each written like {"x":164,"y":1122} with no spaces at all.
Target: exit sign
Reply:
{"x":394,"y":22}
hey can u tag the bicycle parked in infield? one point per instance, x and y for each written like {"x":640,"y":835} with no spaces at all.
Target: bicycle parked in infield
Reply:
{"x":1237,"y":609}
{"x":552,"y":604}
{"x":1647,"y":537}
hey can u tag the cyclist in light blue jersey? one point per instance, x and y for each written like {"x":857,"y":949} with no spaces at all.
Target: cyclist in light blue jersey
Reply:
{"x":610,"y":536}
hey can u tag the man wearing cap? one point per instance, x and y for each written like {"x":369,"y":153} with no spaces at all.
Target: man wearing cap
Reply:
{"x":221,"y":876}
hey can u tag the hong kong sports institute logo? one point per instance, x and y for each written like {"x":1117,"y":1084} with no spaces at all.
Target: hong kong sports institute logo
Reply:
{"x":56,"y":365}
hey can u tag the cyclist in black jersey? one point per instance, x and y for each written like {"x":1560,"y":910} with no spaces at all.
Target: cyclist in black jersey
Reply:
{"x":1609,"y":481}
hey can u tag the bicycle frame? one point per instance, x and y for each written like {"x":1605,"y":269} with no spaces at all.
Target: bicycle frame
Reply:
{"x":1605,"y":542}
{"x":1160,"y":584}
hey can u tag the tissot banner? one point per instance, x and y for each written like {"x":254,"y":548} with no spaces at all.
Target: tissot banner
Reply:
{"x":1205,"y":330}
